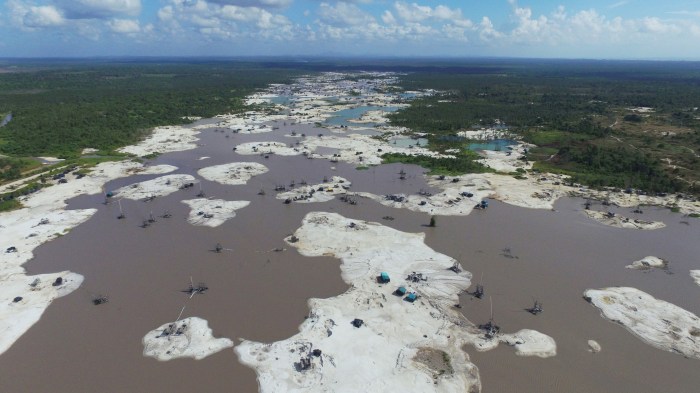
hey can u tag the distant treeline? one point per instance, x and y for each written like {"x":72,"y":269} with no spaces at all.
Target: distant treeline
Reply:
{"x":61,"y":107}
{"x":570,"y":109}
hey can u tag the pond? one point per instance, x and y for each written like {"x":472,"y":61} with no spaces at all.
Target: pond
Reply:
{"x":495,"y":145}
{"x":6,"y":119}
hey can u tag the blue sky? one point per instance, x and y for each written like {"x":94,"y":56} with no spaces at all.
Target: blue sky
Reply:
{"x":599,"y":29}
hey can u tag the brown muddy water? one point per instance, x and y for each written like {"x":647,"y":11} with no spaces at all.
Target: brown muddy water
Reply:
{"x":262,"y":295}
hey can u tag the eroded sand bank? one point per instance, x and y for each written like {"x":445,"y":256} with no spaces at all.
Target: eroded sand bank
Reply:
{"x":656,"y":322}
{"x":377,"y":355}
{"x":186,"y":338}
{"x":234,"y":173}
{"x":373,"y":338}
{"x":212,"y":212}
{"x":618,"y":221}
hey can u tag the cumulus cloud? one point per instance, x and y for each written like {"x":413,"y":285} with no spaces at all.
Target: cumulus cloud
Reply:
{"x":224,"y":20}
{"x":124,"y":26}
{"x":431,"y":26}
{"x":344,"y":14}
{"x":417,"y":13}
{"x":43,"y":16}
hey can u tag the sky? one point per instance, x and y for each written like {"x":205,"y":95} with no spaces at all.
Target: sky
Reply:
{"x":593,"y":29}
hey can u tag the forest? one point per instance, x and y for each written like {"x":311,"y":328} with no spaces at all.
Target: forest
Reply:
{"x":607,"y":124}
{"x":60,"y":107}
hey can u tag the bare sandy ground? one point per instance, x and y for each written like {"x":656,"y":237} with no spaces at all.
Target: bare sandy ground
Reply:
{"x":234,"y":173}
{"x":186,"y":338}
{"x":42,"y":219}
{"x":24,"y":298}
{"x":619,"y":221}
{"x":158,"y":187}
{"x":321,"y":192}
{"x":369,"y":339}
{"x":658,"y":323}
{"x":695,"y":275}
{"x":648,"y":262}
{"x":164,"y":140}
{"x":212,"y":212}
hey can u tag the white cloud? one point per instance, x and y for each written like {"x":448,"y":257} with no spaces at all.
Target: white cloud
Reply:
{"x":422,"y":13}
{"x":344,"y":14}
{"x":124,"y":26}
{"x":222,"y":20}
{"x":657,"y":26}
{"x":166,"y":13}
{"x":43,"y":16}
{"x":487,"y":32}
{"x":388,"y":18}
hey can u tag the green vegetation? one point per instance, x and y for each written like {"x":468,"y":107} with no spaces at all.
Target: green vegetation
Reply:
{"x":9,"y":205}
{"x":61,"y":107}
{"x":8,"y":200}
{"x":463,"y":163}
{"x":580,"y":114}
{"x":13,"y":168}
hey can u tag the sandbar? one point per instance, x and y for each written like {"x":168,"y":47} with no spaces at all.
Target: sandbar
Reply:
{"x":658,"y":323}
{"x":212,"y":212}
{"x":193,"y":340}
{"x":234,"y":173}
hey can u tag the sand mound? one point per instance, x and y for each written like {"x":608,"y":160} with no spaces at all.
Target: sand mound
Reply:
{"x":188,"y":338}
{"x":656,"y":322}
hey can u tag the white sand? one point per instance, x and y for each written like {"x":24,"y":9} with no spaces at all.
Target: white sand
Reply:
{"x":508,"y":160}
{"x":685,"y":205}
{"x":452,"y":202}
{"x":158,"y":187}
{"x":529,"y":342}
{"x":164,"y":140}
{"x":377,"y":356}
{"x":258,"y":148}
{"x":212,"y":212}
{"x":42,"y":219}
{"x":619,"y":221}
{"x":485,"y":134}
{"x":695,"y":274}
{"x":17,"y":317}
{"x":354,"y":149}
{"x":321,"y":192}
{"x":593,"y":346}
{"x":656,"y":322}
{"x":251,"y":122}
{"x":195,"y":342}
{"x":234,"y":173}
{"x":647,"y":263}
